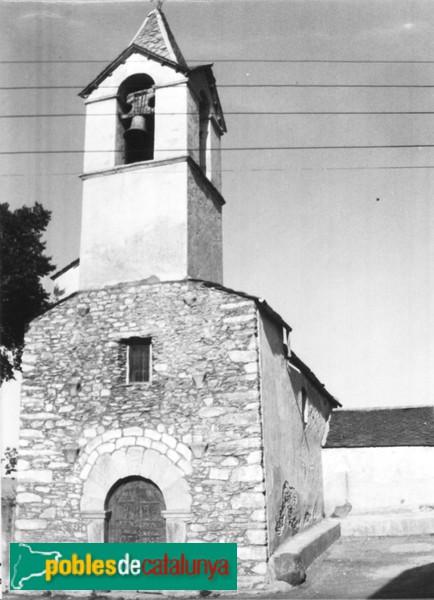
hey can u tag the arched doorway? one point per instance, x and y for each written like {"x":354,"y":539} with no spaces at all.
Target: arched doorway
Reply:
{"x":134,"y":508}
{"x":110,"y":469}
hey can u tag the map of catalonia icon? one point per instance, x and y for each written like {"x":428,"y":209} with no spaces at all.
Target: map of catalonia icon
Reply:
{"x":27,"y":563}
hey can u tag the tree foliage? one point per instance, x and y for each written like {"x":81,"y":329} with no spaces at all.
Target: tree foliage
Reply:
{"x":23,"y":264}
{"x":10,"y":459}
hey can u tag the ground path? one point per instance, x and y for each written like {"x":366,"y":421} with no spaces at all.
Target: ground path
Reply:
{"x":353,"y":568}
{"x":395,"y":567}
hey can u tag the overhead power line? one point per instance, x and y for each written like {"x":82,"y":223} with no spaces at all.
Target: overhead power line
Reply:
{"x":324,"y":85}
{"x":234,"y":149}
{"x":237,"y":60}
{"x":238,"y":113}
{"x":249,"y":170}
{"x":239,"y":85}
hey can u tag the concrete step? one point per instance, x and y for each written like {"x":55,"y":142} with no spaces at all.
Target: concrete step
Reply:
{"x":291,"y":559}
{"x":388,"y":524}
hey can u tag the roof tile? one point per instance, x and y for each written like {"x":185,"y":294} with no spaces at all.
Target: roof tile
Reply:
{"x":155,"y":36}
{"x":413,"y":426}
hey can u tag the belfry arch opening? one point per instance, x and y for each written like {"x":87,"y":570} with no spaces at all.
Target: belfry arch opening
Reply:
{"x":134,"y":512}
{"x":136,"y":112}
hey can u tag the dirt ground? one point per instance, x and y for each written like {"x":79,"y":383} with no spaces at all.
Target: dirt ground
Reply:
{"x":395,"y":567}
{"x":353,"y":568}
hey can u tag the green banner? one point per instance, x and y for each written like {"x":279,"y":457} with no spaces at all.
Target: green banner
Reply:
{"x":123,"y":566}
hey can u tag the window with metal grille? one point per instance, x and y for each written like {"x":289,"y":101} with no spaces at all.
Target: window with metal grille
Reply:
{"x":139,"y":356}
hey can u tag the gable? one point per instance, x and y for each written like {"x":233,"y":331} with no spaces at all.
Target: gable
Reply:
{"x":119,"y":63}
{"x":154,"y":40}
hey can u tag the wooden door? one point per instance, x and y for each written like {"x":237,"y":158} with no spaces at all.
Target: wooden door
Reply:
{"x":134,"y":513}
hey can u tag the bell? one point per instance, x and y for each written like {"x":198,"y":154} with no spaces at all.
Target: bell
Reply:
{"x":137,"y":131}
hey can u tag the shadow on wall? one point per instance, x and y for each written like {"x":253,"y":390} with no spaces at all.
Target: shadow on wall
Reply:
{"x":412,"y":583}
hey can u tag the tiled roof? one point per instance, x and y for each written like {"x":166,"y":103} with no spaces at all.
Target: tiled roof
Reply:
{"x":155,"y":36}
{"x":413,"y":426}
{"x":155,"y":40}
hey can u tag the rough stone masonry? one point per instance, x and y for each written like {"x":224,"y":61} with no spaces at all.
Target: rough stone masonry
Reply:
{"x":195,"y":429}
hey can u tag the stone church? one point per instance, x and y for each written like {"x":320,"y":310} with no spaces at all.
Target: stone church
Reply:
{"x":157,"y":404}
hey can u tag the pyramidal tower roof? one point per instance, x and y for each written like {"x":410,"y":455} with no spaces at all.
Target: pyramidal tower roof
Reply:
{"x":156,"y":37}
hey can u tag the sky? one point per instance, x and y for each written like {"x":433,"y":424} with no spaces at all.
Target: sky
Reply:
{"x":337,"y":240}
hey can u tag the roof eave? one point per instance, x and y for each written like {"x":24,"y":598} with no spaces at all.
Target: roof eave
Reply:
{"x":293,"y":359}
{"x":213,"y":86}
{"x":207,"y":68}
{"x":71,"y":265}
{"x":310,"y":375}
{"x":260,"y":303}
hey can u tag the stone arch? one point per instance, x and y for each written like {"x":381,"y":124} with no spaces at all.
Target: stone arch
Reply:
{"x":118,"y":454}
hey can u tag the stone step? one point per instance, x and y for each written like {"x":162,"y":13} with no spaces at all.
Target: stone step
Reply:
{"x":392,"y":524}
{"x":291,"y":559}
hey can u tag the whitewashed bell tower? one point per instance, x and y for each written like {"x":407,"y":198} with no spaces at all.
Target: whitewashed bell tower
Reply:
{"x":152,"y":206}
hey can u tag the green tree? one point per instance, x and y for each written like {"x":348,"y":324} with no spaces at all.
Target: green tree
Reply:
{"x":23,"y":264}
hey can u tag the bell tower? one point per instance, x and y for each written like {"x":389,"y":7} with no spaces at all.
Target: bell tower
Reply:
{"x":152,"y":206}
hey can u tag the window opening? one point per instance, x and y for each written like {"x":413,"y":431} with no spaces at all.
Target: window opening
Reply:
{"x":139,"y":359}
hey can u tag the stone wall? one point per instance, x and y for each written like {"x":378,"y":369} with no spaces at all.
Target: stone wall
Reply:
{"x":195,"y":429}
{"x":292,"y":440}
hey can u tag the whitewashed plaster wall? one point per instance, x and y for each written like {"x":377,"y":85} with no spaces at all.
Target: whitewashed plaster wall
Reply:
{"x":134,"y":225}
{"x":170,"y":114}
{"x":67,"y":283}
{"x":378,"y":479}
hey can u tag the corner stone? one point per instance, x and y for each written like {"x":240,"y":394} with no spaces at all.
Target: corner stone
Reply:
{"x":24,"y":497}
{"x":257,"y":536}
{"x":248,"y":500}
{"x":34,"y":476}
{"x":249,"y":473}
{"x":30,"y":524}
{"x":222,"y":474}
{"x":243,"y":356}
{"x":252,"y":553}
